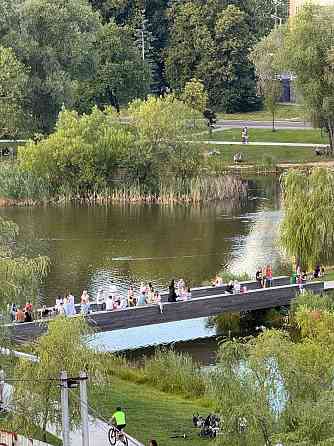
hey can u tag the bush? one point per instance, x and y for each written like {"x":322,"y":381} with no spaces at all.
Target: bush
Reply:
{"x":175,"y":373}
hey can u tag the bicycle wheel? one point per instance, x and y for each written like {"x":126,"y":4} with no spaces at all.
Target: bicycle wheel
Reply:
{"x":112,"y":436}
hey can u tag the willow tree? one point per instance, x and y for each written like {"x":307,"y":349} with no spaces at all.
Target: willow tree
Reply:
{"x":307,"y":230}
{"x":36,"y":392}
{"x":20,"y":276}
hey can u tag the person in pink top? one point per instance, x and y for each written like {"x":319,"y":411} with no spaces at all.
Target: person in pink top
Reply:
{"x":269,"y":276}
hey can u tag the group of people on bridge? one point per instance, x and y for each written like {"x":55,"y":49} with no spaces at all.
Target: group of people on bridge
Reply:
{"x":146,"y":294}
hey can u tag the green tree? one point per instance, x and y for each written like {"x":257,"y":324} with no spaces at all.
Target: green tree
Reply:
{"x":54,"y":40}
{"x":308,"y":48}
{"x":230,"y":77}
{"x":307,"y":229}
{"x":161,"y":127}
{"x":37,"y":391}
{"x":263,"y":56}
{"x":271,"y":390}
{"x":195,"y":97}
{"x":81,"y":155}
{"x":13,"y":85}
{"x":190,"y":44}
{"x":120,"y":65}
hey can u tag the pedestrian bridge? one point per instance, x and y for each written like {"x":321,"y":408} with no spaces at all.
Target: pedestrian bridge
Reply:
{"x":208,"y":301}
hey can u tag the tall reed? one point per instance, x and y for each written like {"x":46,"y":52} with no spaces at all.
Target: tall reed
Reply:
{"x":23,"y":187}
{"x":175,"y":373}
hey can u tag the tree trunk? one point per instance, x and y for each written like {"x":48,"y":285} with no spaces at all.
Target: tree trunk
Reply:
{"x":330,"y":128}
{"x":274,"y":130}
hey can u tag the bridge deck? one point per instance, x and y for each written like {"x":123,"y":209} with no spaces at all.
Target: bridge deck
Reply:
{"x":194,"y":308}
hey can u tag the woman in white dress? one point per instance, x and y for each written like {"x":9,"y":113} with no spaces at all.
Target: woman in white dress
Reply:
{"x":71,"y":303}
{"x":85,"y":302}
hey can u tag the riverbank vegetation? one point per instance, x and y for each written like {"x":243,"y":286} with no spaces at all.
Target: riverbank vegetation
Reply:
{"x":98,"y":158}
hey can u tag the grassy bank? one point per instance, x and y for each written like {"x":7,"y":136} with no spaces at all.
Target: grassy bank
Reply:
{"x":308,"y":136}
{"x":151,"y":413}
{"x":284,"y":112}
{"x":262,"y":156}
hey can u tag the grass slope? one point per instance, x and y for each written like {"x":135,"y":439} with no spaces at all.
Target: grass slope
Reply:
{"x":284,"y":112}
{"x":263,"y":155}
{"x":150,"y":413}
{"x":308,"y":136}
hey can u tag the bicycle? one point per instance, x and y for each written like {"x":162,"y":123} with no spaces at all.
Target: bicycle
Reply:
{"x":117,"y":436}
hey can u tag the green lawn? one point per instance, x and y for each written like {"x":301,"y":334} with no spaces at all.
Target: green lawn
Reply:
{"x":309,"y":136}
{"x":263,"y":155}
{"x":288,"y":112}
{"x":150,"y":413}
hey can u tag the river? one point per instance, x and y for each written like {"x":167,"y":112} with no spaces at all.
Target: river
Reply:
{"x":93,"y":247}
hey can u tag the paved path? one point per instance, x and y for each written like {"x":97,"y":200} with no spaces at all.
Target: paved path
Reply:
{"x":98,"y":435}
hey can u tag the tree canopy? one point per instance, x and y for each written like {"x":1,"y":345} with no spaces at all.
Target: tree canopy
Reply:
{"x":108,"y":52}
{"x":308,"y":52}
{"x":307,"y":230}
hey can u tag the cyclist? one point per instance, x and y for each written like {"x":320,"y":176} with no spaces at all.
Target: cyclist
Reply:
{"x":118,"y":419}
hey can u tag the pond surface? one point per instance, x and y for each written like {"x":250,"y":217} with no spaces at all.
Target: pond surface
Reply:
{"x":93,"y":247}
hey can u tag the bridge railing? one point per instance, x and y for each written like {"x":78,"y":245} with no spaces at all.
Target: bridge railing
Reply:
{"x":213,"y":290}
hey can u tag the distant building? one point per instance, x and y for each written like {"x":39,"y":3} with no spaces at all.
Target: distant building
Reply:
{"x":294,"y":5}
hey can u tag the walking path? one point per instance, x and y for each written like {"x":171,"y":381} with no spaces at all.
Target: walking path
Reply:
{"x":98,"y":435}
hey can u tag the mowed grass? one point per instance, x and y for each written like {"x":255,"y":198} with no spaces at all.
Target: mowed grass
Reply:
{"x":150,"y":413}
{"x":284,"y":112}
{"x":262,"y":155}
{"x":308,"y":136}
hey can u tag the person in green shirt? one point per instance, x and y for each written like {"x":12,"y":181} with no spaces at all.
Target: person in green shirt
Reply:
{"x":119,"y":419}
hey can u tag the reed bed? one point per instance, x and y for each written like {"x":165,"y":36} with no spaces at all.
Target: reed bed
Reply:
{"x":193,"y":191}
{"x":22,"y":188}
{"x":166,"y":370}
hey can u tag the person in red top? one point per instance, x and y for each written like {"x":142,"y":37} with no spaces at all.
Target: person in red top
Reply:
{"x":28,"y":307}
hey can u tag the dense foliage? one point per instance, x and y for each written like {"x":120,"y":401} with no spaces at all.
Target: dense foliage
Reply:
{"x":307,"y":230}
{"x":80,"y":53}
{"x":304,"y":48}
{"x":92,"y":152}
{"x":274,"y":389}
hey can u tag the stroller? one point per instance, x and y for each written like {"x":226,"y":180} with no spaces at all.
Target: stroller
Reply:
{"x":210,"y":426}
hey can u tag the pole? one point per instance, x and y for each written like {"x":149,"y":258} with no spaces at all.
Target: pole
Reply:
{"x":84,"y":408}
{"x":64,"y":407}
{"x":142,"y":35}
{"x":2,"y":388}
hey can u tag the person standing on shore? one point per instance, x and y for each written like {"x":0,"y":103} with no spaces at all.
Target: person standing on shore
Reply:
{"x":153,"y":443}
